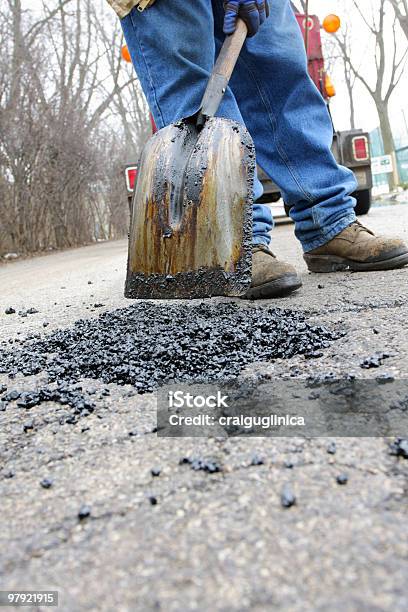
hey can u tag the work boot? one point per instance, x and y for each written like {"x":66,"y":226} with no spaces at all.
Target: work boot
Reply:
{"x":358,"y":248}
{"x":270,"y":277}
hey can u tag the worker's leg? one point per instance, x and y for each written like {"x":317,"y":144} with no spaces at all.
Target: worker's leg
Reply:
{"x":290,"y":125}
{"x":172,"y":47}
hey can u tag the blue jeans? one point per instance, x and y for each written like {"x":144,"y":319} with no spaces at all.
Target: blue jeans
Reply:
{"x":173,"y":45}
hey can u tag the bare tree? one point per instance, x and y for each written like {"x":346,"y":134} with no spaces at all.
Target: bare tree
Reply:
{"x":390,"y":65}
{"x":69,"y":110}
{"x":401,"y":10}
{"x":128,"y":103}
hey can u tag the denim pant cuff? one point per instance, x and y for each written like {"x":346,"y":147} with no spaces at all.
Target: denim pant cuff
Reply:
{"x":261,"y":240}
{"x":327,"y":236}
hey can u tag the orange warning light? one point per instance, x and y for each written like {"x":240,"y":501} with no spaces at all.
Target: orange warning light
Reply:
{"x":330,"y":88}
{"x":126,"y":54}
{"x":331,"y":23}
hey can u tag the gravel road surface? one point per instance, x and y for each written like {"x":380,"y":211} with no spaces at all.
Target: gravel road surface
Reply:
{"x":108,"y":514}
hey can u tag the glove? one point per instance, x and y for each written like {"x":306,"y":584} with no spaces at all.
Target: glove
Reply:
{"x":144,"y":4}
{"x":253,"y":12}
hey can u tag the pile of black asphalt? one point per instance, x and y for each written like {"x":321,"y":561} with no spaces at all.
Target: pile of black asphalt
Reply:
{"x":147,"y":345}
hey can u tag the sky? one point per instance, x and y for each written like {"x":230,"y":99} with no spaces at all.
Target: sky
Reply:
{"x":363,"y":50}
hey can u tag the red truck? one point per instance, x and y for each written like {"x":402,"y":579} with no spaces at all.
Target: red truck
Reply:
{"x":351,"y":148}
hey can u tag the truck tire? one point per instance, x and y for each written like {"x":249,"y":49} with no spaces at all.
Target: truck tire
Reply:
{"x":363,"y":201}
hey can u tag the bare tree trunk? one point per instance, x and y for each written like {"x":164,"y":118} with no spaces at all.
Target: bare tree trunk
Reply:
{"x":352,"y":106}
{"x":17,"y":56}
{"x":388,"y":141}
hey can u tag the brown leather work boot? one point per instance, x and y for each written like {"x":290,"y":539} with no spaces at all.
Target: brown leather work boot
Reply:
{"x":359,"y":249}
{"x":270,"y":277}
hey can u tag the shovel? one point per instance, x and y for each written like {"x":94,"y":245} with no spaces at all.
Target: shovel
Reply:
{"x":191,"y":224}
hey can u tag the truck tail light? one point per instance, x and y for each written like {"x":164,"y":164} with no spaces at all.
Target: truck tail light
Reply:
{"x":131,"y":176}
{"x":360,"y":148}
{"x":152,"y":123}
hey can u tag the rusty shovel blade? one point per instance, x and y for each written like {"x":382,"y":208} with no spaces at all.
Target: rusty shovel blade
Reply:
{"x":191,"y":224}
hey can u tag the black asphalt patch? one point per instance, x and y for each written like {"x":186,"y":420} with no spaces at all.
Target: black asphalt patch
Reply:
{"x":147,"y":345}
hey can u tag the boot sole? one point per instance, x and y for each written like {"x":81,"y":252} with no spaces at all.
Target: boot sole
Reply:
{"x":276,"y":288}
{"x":330,"y":263}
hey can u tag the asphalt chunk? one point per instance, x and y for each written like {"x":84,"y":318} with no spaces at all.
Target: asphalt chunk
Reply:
{"x":375,"y":361}
{"x":28,"y":399}
{"x":331,"y":448}
{"x":28,"y":426}
{"x":147,"y":345}
{"x":84,"y":512}
{"x":11,"y":396}
{"x":399,"y":448}
{"x":209,"y":465}
{"x":29,"y":311}
{"x":257,"y":460}
{"x":73,"y":397}
{"x":46,"y":483}
{"x":288,"y":498}
{"x":342,"y":479}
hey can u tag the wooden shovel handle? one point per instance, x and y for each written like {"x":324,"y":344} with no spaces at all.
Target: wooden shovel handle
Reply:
{"x":230,"y":50}
{"x":222,"y":71}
